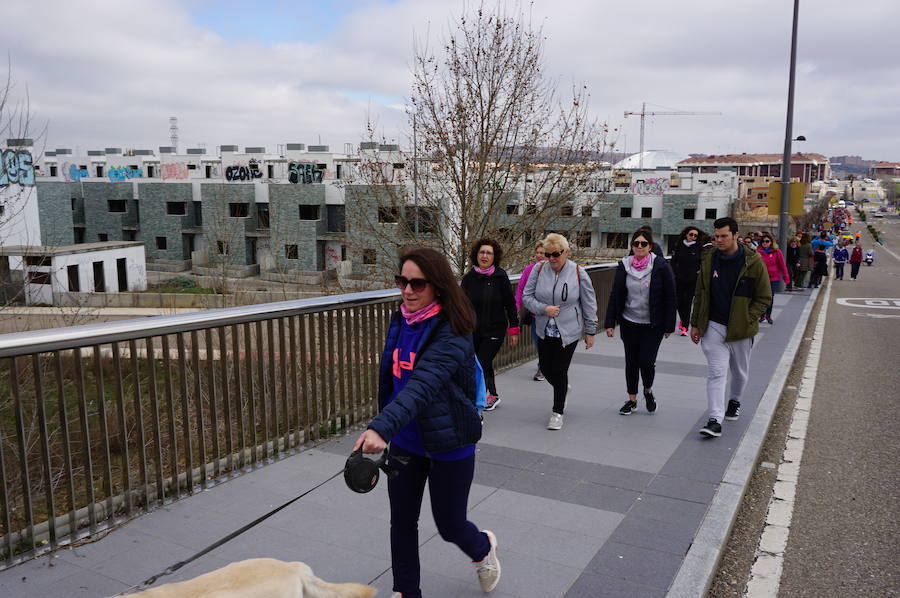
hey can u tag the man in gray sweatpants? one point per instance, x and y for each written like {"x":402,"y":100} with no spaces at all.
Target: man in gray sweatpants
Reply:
{"x":732,"y":292}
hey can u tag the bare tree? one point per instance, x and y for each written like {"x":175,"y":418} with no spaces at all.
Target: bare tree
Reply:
{"x":496,"y":151}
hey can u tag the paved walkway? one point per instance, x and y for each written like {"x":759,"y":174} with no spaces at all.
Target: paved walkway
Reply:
{"x":608,"y":506}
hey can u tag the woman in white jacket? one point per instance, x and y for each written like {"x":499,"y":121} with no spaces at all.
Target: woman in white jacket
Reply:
{"x":561,"y":296}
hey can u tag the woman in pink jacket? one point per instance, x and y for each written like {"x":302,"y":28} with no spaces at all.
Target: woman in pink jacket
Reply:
{"x":774,"y":261}
{"x":528,"y":318}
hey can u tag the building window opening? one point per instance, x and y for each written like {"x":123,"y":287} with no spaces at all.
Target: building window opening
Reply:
{"x":102,"y":237}
{"x":690,"y":213}
{"x":291,"y":252}
{"x":222,"y":247}
{"x":239,"y":210}
{"x":625,"y":212}
{"x":710,"y":213}
{"x":309,"y":212}
{"x":617,"y":240}
{"x":176,"y":208}
{"x":646,"y":212}
{"x":117,"y":206}
{"x":368,"y":256}
{"x":388,"y":214}
{"x":162,"y":243}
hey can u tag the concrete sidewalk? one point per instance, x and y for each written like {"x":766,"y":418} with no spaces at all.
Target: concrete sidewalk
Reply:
{"x":607,"y":506}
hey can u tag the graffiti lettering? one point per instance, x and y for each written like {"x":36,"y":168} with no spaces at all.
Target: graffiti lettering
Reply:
{"x":243,"y":173}
{"x":304,"y":172}
{"x":16,"y":168}
{"x":176,"y":170}
{"x":71,"y":172}
{"x":122,"y":173}
{"x":650,"y":187}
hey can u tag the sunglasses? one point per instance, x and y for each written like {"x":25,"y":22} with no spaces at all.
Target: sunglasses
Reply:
{"x":417,"y":284}
{"x":767,"y":240}
{"x":553,"y":254}
{"x":640,"y":243}
{"x":692,"y":234}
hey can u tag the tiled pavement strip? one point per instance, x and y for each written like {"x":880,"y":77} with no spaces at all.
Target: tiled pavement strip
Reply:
{"x":607,"y":506}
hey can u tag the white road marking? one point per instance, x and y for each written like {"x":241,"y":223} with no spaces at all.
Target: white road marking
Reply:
{"x":765,"y":575}
{"x":868,"y":315}
{"x":870,"y":302}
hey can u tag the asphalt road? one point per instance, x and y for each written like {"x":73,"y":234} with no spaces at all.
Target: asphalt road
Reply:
{"x":845,"y":534}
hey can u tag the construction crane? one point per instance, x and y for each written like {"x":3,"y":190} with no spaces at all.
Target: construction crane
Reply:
{"x":643,"y":113}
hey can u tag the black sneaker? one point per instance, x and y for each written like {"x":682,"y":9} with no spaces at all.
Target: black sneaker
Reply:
{"x":628,"y":407}
{"x":734,"y":410}
{"x":651,"y":401}
{"x":711,"y":429}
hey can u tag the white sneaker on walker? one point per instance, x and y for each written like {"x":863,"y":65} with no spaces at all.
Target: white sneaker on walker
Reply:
{"x":488,"y":568}
{"x":556,"y":421}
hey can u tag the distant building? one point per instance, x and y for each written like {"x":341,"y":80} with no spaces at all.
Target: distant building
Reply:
{"x":891,"y":169}
{"x":804,"y":167}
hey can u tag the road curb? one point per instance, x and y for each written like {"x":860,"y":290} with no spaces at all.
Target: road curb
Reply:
{"x":699,"y":565}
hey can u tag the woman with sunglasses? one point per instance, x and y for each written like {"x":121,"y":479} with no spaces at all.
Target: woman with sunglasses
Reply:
{"x":642,"y":302}
{"x":488,"y":288}
{"x":426,"y":395}
{"x":775,"y":264}
{"x":686,"y":265}
{"x":561,"y":296}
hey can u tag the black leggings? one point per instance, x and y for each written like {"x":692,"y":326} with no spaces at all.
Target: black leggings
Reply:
{"x":685,"y":295}
{"x":854,"y":269}
{"x":641,"y":346}
{"x":448,"y":485}
{"x":554,"y":360}
{"x":486,"y":348}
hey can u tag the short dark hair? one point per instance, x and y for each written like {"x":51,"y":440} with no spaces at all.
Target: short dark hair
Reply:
{"x":728,"y":221}
{"x":494,"y":244}
{"x":456,"y":305}
{"x":645,"y":232}
{"x":823,"y":235}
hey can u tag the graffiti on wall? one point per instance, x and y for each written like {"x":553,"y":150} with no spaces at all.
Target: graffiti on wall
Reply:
{"x":304,"y":173}
{"x":175,"y":170}
{"x":650,"y":187}
{"x":73,"y":173}
{"x":16,"y":168}
{"x":122,"y":173}
{"x":240,"y":172}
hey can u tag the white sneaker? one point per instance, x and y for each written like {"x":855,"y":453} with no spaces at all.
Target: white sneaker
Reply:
{"x":488,"y":569}
{"x":556,"y":421}
{"x":538,"y":376}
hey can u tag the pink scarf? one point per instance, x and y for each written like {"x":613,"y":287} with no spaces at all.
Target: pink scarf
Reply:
{"x":414,"y":317}
{"x":486,"y":271}
{"x":640,"y":264}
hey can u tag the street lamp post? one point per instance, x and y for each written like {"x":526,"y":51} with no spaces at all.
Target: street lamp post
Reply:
{"x":786,"y":162}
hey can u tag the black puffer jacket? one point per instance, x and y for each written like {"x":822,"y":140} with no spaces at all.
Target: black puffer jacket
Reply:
{"x":686,"y":263}
{"x":494,"y":302}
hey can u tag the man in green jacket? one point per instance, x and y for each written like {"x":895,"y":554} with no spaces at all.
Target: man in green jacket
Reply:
{"x":732,"y":292}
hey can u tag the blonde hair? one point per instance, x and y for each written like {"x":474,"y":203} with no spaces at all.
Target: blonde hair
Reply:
{"x":539,"y":244}
{"x":556,"y":240}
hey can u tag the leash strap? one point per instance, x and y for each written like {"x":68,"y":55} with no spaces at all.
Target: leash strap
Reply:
{"x":173,"y":568}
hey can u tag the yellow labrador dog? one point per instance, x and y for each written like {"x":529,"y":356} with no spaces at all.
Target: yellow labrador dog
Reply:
{"x":259,"y":578}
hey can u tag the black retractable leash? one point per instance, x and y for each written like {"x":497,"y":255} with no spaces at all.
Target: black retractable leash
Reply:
{"x":360,"y":474}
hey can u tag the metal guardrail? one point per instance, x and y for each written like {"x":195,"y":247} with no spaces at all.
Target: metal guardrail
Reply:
{"x":103,"y":421}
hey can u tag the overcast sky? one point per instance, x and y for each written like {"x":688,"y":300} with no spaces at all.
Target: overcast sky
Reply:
{"x":110,"y":74}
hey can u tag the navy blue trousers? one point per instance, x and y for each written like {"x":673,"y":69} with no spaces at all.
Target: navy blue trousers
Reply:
{"x":448,"y":487}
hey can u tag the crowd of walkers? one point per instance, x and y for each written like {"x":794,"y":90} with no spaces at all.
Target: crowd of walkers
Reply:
{"x":716,"y":289}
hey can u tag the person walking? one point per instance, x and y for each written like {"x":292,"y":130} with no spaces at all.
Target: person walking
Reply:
{"x":792,"y":257}
{"x":733,"y":290}
{"x":806,"y":259}
{"x":561,"y":295}
{"x":488,"y":288}
{"x":642,"y":302}
{"x":841,"y":256}
{"x":525,"y":316}
{"x":426,"y":400}
{"x":856,"y":258}
{"x":776,"y":268}
{"x":685,"y":265}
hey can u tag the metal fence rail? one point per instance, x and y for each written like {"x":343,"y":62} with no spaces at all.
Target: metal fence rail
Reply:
{"x":101,"y":422}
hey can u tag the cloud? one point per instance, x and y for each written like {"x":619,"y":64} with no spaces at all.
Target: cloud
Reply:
{"x":104,"y":73}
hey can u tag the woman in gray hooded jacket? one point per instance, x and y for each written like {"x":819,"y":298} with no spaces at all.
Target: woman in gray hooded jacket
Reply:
{"x":561,"y":296}
{"x":642,"y":302}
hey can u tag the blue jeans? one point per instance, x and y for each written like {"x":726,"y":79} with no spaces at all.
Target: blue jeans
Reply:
{"x":448,"y":487}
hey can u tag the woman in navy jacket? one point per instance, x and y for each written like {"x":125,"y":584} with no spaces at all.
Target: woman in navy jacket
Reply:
{"x":426,"y":397}
{"x":642,"y":302}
